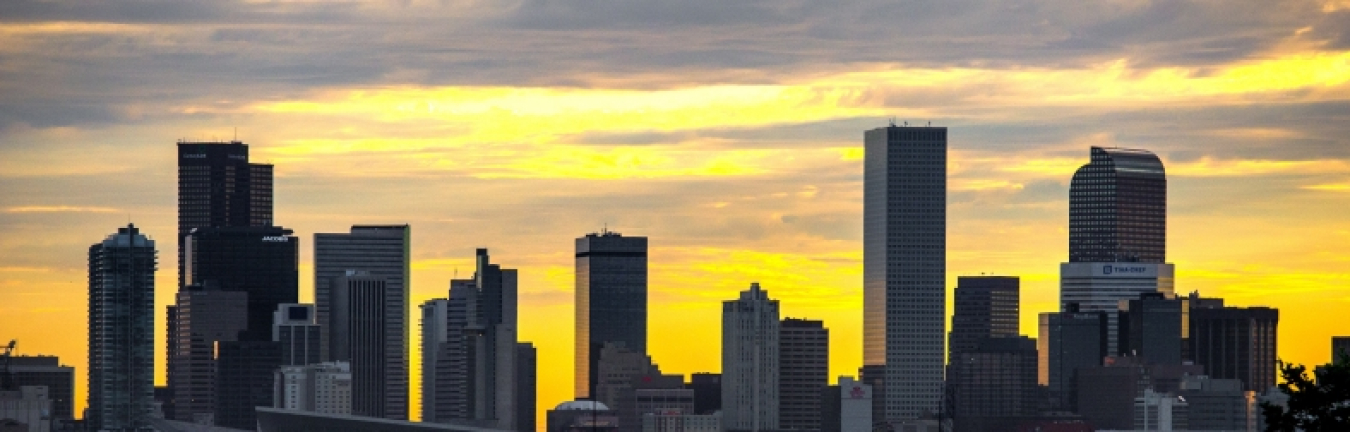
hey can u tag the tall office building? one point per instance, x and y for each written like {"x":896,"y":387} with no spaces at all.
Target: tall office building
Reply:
{"x":218,"y":187}
{"x":1118,"y":208}
{"x":121,"y":330}
{"x":985,"y":306}
{"x":1155,"y":328}
{"x":994,"y":383}
{"x":361,"y":331}
{"x":750,"y":356}
{"x":476,"y":372}
{"x":47,"y":371}
{"x":707,"y":389}
{"x":527,"y":381}
{"x":1100,"y":287}
{"x":205,"y":316}
{"x":611,"y":299}
{"x":296,"y":328}
{"x":1068,"y":342}
{"x":452,"y":373}
{"x":379,"y":250}
{"x":1235,"y":343}
{"x":435,"y":328}
{"x":803,"y":372}
{"x":261,"y":261}
{"x":905,"y":263}
{"x":1340,"y":346}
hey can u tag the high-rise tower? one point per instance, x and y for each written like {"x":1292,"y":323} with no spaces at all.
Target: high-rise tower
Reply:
{"x":218,"y":187}
{"x":382,"y":251}
{"x":985,"y":306}
{"x":750,"y":361}
{"x":121,"y":331}
{"x":611,"y":300}
{"x":1118,"y":208}
{"x":904,"y":264}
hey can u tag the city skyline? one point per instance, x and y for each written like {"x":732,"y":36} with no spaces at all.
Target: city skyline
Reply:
{"x":740,"y":158}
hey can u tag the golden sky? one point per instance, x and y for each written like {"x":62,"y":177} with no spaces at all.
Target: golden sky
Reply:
{"x":731,"y":135}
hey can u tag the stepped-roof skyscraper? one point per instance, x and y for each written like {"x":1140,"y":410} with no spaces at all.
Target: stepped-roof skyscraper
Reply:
{"x":1118,"y":208}
{"x":905,"y":264}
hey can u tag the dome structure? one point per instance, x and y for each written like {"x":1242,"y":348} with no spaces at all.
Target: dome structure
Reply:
{"x":582,"y":405}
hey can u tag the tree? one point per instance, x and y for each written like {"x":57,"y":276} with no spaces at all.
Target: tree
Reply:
{"x":1320,"y":405}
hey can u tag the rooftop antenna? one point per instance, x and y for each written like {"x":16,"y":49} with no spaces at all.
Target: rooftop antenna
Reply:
{"x":892,"y":121}
{"x":236,"y":133}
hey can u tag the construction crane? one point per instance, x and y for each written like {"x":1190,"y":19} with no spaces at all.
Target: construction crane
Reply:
{"x":7,"y":377}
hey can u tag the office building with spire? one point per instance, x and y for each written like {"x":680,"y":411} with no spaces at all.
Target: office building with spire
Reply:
{"x":904,"y":266}
{"x":121,"y":331}
{"x":611,"y":300}
{"x":750,"y":361}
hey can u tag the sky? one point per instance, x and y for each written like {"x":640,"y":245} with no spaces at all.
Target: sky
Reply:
{"x":729,"y":133}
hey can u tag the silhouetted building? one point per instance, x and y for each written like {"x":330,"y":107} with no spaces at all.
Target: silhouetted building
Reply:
{"x":707,"y":392}
{"x":663,"y":397}
{"x":296,"y":327}
{"x":218,"y":187}
{"x":611,"y":300}
{"x":527,"y":380}
{"x":750,"y":361}
{"x":1068,"y":342}
{"x":205,"y":316}
{"x":993,"y":383}
{"x":1100,"y":287}
{"x":476,"y":375}
{"x":1106,"y":394}
{"x":1235,"y":343}
{"x":379,"y":250}
{"x":803,"y":371}
{"x":244,"y":380}
{"x":1340,"y":346}
{"x":905,"y":263}
{"x":1155,"y":328}
{"x":49,"y":372}
{"x":435,"y":332}
{"x":121,"y":330}
{"x":984,"y":306}
{"x":846,"y":407}
{"x":875,"y":376}
{"x":261,"y":261}
{"x":1154,"y":411}
{"x":620,"y":372}
{"x":1118,"y":208}
{"x":361,"y":330}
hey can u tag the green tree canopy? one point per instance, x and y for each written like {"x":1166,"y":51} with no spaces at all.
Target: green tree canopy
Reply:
{"x":1320,"y":405}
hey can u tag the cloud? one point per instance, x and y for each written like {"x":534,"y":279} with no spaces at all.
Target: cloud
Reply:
{"x":60,"y":209}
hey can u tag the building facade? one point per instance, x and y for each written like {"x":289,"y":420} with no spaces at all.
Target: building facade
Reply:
{"x":261,"y":261}
{"x":847,"y":407}
{"x":205,"y":316}
{"x":360,"y":330}
{"x":707,"y":389}
{"x":1236,"y":343}
{"x":1118,"y":208}
{"x":1068,"y":342}
{"x":803,"y":372}
{"x":993,"y":383}
{"x":750,"y":361}
{"x":1340,"y":346}
{"x":218,"y":187}
{"x":296,"y":328}
{"x":323,"y":388}
{"x":527,"y":382}
{"x":47,"y":371}
{"x":379,"y":250}
{"x":434,"y":329}
{"x":904,"y":264}
{"x":476,"y":366}
{"x":244,"y":377}
{"x":1101,"y":286}
{"x":611,"y":300}
{"x":983,"y":307}
{"x":121,"y":330}
{"x":1155,"y":328}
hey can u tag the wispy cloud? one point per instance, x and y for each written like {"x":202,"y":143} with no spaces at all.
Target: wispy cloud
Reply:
{"x":60,"y":209}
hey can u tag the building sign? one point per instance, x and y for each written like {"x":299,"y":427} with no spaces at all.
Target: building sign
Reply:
{"x":195,"y":156}
{"x":858,"y":392}
{"x":1126,"y":270}
{"x":276,"y":239}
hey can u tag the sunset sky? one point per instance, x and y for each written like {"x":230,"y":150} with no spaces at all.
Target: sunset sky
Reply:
{"x":729,"y":133}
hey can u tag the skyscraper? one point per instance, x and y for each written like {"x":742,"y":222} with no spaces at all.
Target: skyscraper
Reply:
{"x":1155,"y":328}
{"x":1235,"y":343}
{"x":361,"y":331}
{"x":611,"y":299}
{"x":379,"y":250}
{"x":205,"y":316}
{"x":803,"y":372}
{"x":750,"y":356}
{"x":261,"y":261}
{"x":434,"y":333}
{"x":1118,"y":208}
{"x":985,"y":306}
{"x":1068,"y":342}
{"x":1100,"y":287}
{"x":297,"y":329}
{"x":993,"y":383}
{"x":527,"y":381}
{"x":218,"y":187}
{"x":121,"y":330}
{"x":904,"y":264}
{"x":476,"y":371}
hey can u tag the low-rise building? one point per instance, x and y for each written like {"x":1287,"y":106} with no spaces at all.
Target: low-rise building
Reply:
{"x":323,"y":388}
